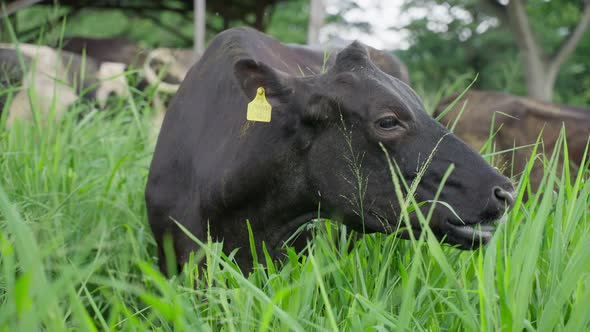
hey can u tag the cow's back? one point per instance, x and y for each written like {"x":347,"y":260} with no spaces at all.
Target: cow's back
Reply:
{"x":119,"y":50}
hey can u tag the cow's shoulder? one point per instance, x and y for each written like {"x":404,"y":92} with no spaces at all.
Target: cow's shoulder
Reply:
{"x":238,"y":42}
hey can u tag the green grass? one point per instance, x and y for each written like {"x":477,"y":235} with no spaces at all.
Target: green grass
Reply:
{"x":76,"y":253}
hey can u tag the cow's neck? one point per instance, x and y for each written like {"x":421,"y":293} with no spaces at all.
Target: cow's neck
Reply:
{"x":274,"y":199}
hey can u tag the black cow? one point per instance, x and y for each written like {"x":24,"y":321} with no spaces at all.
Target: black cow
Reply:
{"x":212,"y":170}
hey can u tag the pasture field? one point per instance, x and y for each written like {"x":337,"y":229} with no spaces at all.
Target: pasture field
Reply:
{"x":76,"y":253}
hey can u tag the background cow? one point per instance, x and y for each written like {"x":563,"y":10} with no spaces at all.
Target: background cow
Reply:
{"x":92,"y":69}
{"x":56,"y":79}
{"x":518,"y":122}
{"x":162,"y":66}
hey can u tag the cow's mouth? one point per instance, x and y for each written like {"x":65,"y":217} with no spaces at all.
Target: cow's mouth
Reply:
{"x":455,"y":232}
{"x":472,"y":235}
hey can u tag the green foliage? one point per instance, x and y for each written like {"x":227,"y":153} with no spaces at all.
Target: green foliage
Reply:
{"x":99,"y":23}
{"x":289,"y":22}
{"x":174,"y":29}
{"x":76,"y":253}
{"x":442,"y":50}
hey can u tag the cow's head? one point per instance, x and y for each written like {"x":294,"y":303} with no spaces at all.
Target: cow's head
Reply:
{"x":340,"y":120}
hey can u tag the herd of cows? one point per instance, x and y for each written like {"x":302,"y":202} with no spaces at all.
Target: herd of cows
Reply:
{"x":83,"y":69}
{"x":212,"y":169}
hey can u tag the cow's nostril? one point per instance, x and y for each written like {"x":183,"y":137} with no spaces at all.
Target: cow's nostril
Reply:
{"x":504,"y":195}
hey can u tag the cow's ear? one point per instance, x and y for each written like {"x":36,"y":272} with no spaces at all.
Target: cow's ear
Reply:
{"x":319,"y":110}
{"x":254,"y":74}
{"x":355,"y":56}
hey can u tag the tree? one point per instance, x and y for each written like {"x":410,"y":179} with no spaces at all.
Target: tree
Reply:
{"x":541,"y":68}
{"x":316,"y":20}
{"x":470,"y":36}
{"x":255,"y":13}
{"x":220,"y":14}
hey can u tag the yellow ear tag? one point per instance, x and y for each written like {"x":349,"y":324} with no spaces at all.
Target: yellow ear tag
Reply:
{"x":259,"y":108}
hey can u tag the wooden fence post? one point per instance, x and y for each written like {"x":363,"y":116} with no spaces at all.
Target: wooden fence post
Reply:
{"x":199,"y":36}
{"x":316,"y":20}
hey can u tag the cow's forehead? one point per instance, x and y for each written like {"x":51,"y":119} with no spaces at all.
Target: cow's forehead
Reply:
{"x":371,"y":87}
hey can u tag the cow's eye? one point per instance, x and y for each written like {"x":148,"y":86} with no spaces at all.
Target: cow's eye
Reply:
{"x":388,"y":123}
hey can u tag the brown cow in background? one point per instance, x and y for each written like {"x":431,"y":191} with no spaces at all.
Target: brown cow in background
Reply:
{"x":518,"y":121}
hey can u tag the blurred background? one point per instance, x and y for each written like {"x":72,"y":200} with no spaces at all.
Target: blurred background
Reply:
{"x":512,"y":45}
